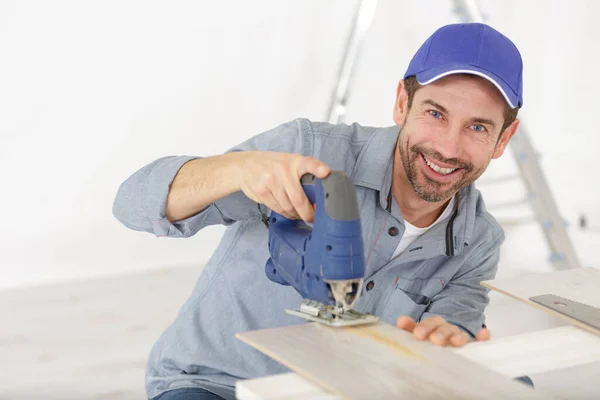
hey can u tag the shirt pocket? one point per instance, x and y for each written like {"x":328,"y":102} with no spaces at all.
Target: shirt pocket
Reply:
{"x":410,"y":297}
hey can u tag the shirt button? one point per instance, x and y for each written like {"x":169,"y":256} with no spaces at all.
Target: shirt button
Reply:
{"x":370,"y":285}
{"x":393,"y":231}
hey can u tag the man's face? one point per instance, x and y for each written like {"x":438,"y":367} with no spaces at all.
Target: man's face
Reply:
{"x":450,"y":134}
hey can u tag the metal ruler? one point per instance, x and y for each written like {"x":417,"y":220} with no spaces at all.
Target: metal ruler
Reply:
{"x":581,"y":312}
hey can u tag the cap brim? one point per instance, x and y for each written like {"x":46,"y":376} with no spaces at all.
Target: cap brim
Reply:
{"x":433,"y":74}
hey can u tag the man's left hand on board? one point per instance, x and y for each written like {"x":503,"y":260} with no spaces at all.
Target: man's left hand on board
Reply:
{"x":437,"y":330}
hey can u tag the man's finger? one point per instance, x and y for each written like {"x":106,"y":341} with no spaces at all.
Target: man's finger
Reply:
{"x":288,"y":209}
{"x":269,"y":200}
{"x":427,"y":326}
{"x":483,"y":334}
{"x":406,"y":323}
{"x":459,"y":339}
{"x":443,"y":333}
{"x":299,"y":201}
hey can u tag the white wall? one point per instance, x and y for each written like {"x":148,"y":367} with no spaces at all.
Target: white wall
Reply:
{"x":92,"y":91}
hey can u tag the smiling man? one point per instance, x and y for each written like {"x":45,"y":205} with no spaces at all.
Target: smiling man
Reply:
{"x":428,"y":238}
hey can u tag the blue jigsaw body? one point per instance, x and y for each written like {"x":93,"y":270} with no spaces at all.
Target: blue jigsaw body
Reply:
{"x":332,"y":250}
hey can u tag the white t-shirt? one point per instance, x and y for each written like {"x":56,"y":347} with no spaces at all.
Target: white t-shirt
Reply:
{"x":411,"y":232}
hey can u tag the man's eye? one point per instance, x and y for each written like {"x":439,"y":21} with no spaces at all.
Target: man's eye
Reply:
{"x":478,"y":128}
{"x":435,"y":114}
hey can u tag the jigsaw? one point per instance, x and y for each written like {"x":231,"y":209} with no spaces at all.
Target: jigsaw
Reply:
{"x":324,"y":262}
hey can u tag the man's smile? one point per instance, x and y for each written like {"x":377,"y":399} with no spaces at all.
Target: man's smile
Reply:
{"x":441,"y":173}
{"x":444,"y":170}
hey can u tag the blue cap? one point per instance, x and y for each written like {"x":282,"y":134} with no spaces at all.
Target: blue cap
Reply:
{"x":471,"y":48}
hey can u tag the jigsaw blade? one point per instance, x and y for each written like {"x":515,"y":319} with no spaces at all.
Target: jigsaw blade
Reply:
{"x":345,"y":293}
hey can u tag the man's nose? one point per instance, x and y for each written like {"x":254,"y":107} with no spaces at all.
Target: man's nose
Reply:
{"x":448,"y":144}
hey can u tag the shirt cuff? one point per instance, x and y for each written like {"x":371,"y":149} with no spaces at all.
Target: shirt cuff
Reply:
{"x":156,"y":191}
{"x":471,"y":334}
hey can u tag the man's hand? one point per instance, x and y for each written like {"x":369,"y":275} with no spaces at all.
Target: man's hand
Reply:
{"x":438,"y":331}
{"x":273,"y":179}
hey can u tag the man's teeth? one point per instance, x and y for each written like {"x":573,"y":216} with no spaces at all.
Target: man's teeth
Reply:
{"x":438,"y":169}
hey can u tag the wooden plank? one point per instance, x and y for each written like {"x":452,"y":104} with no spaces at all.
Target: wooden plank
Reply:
{"x":535,"y":352}
{"x":579,"y":284}
{"x":380,"y":361}
{"x":289,"y":386}
{"x":524,"y":354}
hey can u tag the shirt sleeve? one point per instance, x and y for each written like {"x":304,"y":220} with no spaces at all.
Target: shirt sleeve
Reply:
{"x":141,"y":199}
{"x":464,"y":299}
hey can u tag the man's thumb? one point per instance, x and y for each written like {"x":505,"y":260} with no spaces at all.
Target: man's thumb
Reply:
{"x":310,"y":165}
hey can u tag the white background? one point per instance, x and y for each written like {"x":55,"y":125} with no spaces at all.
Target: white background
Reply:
{"x":90,"y":91}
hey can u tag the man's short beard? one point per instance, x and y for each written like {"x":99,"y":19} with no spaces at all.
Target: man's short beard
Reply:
{"x":432,"y":191}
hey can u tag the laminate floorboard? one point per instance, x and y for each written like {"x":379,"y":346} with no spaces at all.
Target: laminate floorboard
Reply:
{"x":380,"y":361}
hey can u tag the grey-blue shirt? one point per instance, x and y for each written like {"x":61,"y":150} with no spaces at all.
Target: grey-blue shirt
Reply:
{"x":438,"y":274}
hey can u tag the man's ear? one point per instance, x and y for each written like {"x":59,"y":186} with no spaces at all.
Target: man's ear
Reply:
{"x":401,"y":104}
{"x":508,"y":133}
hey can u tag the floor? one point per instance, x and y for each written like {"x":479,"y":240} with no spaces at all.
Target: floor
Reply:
{"x":89,"y":340}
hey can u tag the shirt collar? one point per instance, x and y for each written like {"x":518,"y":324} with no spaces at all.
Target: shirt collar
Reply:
{"x":373,"y":168}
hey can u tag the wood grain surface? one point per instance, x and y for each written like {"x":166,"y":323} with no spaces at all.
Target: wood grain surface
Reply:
{"x":524,"y":354}
{"x":380,"y":361}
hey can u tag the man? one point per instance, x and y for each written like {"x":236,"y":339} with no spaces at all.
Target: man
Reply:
{"x":428,"y":238}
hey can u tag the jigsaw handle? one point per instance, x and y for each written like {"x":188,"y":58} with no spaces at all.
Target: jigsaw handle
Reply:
{"x":306,"y":258}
